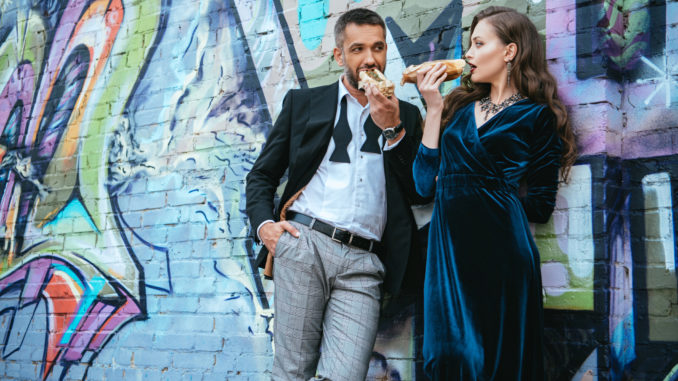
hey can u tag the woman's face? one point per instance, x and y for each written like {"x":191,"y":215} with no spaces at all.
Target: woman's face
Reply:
{"x":487,"y":55}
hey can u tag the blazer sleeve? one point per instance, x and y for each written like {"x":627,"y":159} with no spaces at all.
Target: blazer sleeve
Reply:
{"x":264,"y":178}
{"x":542,"y":170}
{"x":401,"y":158}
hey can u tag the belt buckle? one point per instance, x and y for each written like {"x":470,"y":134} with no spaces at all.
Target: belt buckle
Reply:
{"x":334,"y":231}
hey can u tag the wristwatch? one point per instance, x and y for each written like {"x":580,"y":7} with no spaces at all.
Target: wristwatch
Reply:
{"x":392,"y":132}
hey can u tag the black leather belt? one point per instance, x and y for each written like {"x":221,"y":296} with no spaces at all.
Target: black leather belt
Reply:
{"x":338,"y":235}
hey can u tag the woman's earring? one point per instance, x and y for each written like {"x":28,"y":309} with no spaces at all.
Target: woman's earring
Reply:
{"x":508,"y":72}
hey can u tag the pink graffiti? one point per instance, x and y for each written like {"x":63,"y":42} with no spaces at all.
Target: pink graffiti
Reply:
{"x":79,"y":318}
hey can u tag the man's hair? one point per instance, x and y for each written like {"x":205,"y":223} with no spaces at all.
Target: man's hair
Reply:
{"x":358,"y":16}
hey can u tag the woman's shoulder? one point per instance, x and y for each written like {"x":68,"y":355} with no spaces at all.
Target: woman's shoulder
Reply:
{"x":539,"y":111}
{"x":466,"y":107}
{"x":544,"y":113}
{"x":543,"y":119}
{"x":462,"y":113}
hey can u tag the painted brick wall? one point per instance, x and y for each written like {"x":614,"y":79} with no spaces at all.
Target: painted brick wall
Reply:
{"x":127,"y":129}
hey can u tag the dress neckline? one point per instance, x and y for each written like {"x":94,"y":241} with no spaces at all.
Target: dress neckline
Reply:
{"x":487,"y":122}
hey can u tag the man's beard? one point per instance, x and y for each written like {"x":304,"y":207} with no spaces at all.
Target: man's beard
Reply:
{"x":351,"y":78}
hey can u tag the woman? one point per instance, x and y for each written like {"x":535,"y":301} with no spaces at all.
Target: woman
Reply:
{"x":506,"y":136}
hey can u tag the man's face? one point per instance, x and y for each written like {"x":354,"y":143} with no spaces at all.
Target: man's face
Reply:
{"x":364,"y":48}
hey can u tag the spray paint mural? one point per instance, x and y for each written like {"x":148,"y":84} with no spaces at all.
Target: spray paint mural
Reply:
{"x":622,"y":56}
{"x":62,"y":246}
{"x":128,"y":129}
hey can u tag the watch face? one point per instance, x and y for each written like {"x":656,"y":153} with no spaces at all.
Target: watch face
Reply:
{"x":392,"y":133}
{"x":389,"y":133}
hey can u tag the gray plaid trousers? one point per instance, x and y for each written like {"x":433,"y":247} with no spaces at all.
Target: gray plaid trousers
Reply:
{"x":326,"y":305}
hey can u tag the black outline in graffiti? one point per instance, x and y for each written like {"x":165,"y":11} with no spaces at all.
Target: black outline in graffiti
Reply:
{"x":290,"y":43}
{"x":436,"y":42}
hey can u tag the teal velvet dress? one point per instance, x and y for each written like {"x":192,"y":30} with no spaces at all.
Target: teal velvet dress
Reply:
{"x":483,"y":317}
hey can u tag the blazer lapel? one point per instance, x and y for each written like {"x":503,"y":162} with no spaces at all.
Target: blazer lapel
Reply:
{"x":318,"y":131}
{"x":323,"y":109}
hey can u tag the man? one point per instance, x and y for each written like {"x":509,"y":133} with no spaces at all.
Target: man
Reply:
{"x":344,"y":221}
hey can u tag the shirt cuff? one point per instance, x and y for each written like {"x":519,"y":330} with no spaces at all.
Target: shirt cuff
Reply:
{"x":388,"y":147}
{"x":259,"y":228}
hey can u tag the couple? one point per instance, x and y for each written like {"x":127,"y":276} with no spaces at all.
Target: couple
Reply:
{"x":342,"y":233}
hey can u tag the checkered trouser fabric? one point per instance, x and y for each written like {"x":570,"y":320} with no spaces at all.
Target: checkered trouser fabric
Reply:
{"x":326,"y":308}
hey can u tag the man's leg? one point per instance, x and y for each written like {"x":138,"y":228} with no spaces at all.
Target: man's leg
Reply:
{"x":299,"y":302}
{"x":351,"y":317}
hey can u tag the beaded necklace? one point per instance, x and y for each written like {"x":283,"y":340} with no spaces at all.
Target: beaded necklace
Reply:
{"x":491,"y":108}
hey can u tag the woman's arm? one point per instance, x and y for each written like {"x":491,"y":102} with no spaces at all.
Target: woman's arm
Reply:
{"x":542,"y":170}
{"x":426,"y":162}
{"x":428,"y":82}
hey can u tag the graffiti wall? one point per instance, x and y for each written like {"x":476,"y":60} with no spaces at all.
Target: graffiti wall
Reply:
{"x":127,"y":129}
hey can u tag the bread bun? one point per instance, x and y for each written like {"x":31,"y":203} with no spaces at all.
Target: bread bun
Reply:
{"x":453,"y":70}
{"x":376,"y":77}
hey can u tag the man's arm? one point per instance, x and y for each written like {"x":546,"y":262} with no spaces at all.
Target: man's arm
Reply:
{"x":400,"y":154}
{"x":266,"y":172}
{"x":401,"y":157}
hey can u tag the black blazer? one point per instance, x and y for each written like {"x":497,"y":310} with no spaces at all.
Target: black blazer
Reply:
{"x":299,"y":140}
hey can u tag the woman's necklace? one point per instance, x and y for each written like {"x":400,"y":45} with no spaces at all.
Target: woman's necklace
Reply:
{"x":492,"y":108}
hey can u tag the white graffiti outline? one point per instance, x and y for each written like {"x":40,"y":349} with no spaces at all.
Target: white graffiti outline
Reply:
{"x":665,"y":78}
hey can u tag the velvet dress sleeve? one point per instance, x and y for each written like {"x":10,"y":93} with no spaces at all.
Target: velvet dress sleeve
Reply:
{"x":542,"y":171}
{"x":425,"y":170}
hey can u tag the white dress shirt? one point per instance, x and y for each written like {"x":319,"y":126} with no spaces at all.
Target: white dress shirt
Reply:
{"x":350,"y":196}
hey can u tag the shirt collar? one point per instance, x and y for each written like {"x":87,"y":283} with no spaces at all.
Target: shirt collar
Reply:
{"x":343,"y":91}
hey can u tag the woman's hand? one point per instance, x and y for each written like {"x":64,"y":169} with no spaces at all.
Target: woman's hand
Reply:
{"x":429,"y":80}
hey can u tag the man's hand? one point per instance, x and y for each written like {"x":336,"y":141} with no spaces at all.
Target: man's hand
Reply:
{"x":270,"y":233}
{"x":385,"y":112}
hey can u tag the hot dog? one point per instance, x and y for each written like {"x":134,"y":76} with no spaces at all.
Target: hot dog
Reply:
{"x":376,"y":77}
{"x":453,"y":70}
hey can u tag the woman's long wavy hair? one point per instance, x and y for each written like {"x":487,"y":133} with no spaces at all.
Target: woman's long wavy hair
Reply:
{"x":529,"y":73}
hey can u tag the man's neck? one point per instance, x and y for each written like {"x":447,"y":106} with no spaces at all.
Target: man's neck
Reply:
{"x":359,"y":95}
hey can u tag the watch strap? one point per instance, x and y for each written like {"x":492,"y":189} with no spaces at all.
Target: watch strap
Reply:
{"x":392,"y":132}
